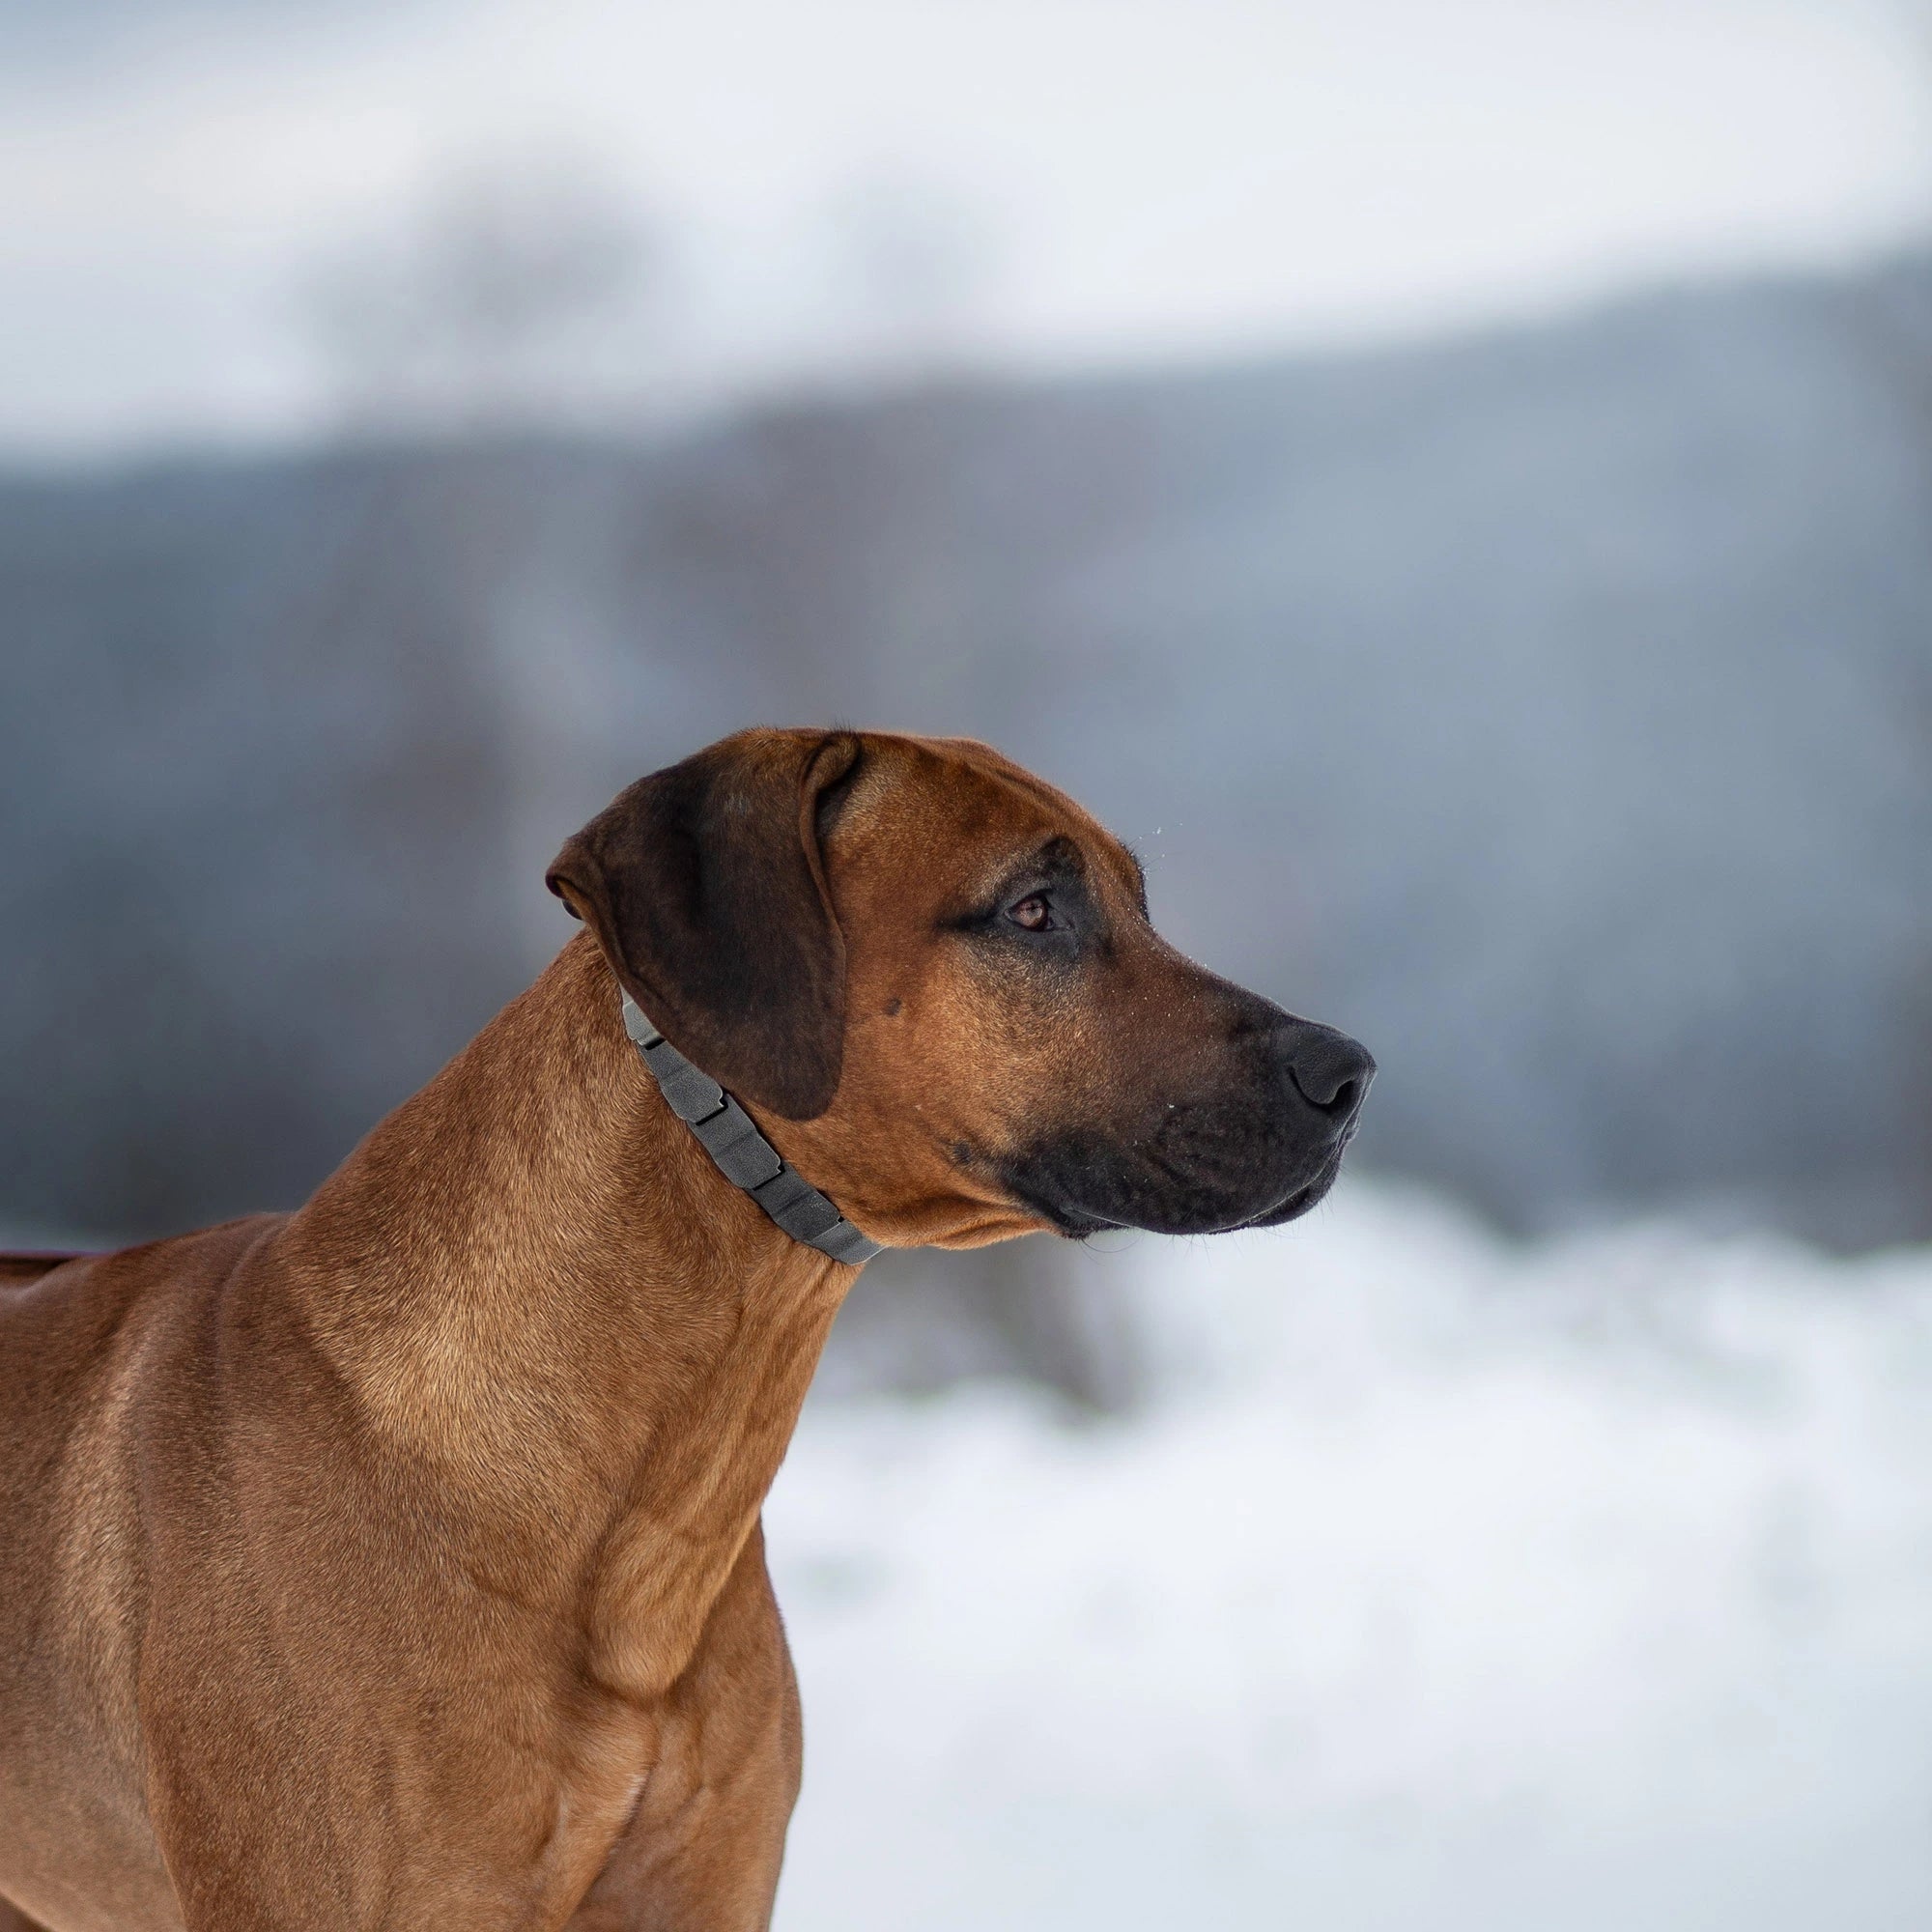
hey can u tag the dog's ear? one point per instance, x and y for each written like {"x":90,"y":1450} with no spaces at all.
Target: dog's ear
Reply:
{"x":705,"y":885}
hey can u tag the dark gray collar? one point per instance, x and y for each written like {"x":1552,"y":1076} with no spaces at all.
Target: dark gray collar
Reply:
{"x":745,"y":1157}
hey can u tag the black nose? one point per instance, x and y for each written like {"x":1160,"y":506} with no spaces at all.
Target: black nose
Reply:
{"x":1330,"y":1071}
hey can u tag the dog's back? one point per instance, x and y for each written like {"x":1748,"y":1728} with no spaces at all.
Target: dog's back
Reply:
{"x":21,"y":1265}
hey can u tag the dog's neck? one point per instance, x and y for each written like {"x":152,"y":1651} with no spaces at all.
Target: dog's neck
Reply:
{"x":552,"y":1310}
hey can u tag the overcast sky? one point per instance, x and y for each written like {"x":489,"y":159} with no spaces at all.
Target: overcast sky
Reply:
{"x":1128,"y":179}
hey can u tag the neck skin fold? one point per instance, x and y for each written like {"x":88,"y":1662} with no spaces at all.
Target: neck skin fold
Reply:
{"x":547,"y":1311}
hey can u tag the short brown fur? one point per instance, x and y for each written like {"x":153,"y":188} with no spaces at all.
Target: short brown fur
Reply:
{"x":397,"y":1562}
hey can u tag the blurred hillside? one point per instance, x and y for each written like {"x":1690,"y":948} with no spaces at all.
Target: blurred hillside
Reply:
{"x":1553,"y":709}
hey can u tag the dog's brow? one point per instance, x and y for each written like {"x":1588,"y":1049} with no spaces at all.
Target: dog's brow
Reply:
{"x":1047,"y":864}
{"x":1057,"y":858}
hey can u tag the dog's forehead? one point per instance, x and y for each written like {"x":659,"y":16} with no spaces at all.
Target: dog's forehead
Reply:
{"x":960,"y":817}
{"x":959,"y":806}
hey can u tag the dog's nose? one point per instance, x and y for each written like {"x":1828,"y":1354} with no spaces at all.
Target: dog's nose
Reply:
{"x":1331,"y":1072}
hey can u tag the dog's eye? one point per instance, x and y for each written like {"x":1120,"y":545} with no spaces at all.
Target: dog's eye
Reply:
{"x":1033,"y":913}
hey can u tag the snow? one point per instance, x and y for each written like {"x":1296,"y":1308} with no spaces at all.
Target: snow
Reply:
{"x":1437,"y":1583}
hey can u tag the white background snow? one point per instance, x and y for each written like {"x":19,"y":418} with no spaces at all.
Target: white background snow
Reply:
{"x":1437,"y":1583}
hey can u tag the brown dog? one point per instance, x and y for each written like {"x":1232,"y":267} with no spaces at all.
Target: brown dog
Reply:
{"x":396,"y":1563}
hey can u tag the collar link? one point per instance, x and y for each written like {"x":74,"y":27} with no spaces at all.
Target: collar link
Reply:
{"x":744,"y":1156}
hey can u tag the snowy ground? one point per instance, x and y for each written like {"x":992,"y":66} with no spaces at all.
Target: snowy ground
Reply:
{"x":1438,"y":1584}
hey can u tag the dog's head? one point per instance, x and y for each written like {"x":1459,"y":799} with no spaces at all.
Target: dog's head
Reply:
{"x":931,"y":979}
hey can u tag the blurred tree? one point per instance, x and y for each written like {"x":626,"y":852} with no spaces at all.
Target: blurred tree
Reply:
{"x":519,"y":291}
